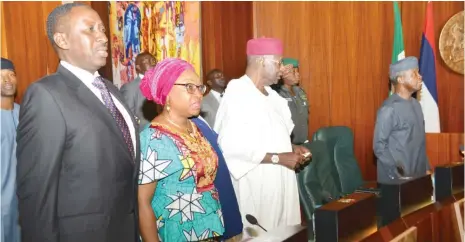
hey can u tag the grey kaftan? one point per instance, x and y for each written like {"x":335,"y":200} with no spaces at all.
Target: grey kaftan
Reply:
{"x":399,"y":140}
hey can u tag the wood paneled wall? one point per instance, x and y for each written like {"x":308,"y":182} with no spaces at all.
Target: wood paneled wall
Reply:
{"x":443,"y":148}
{"x":344,"y":49}
{"x":4,"y":50}
{"x":226,"y":27}
{"x":26,"y":40}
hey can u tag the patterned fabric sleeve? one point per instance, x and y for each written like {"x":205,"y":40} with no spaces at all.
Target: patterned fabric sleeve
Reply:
{"x":151,"y":168}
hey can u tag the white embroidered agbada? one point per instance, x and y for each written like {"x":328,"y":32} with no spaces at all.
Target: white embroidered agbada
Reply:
{"x":250,"y":125}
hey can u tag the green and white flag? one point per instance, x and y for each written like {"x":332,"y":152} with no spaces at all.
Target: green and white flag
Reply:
{"x":398,"y":51}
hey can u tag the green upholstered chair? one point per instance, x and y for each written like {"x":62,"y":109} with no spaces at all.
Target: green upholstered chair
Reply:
{"x":333,"y":171}
{"x":316,"y":185}
{"x":339,"y":141}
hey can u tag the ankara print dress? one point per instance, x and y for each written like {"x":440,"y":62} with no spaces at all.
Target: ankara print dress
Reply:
{"x":185,"y":202}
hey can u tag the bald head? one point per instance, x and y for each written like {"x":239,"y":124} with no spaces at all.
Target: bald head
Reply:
{"x":144,"y":61}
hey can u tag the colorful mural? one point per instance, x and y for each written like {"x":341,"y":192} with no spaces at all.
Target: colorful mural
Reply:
{"x":163,"y":28}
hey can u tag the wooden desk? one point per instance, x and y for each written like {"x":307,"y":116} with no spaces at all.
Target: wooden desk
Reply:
{"x":388,"y":232}
{"x":435,"y":222}
{"x":347,"y":219}
{"x":448,"y":180}
{"x":295,"y":233}
{"x":403,"y":197}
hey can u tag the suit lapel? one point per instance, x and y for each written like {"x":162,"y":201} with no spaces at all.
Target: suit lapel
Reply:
{"x":116,"y":94}
{"x":216,"y":103}
{"x":212,"y":100}
{"x":88,"y":98}
{"x":138,"y":95}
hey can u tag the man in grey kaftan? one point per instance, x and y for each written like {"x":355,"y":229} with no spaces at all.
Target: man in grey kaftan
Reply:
{"x":399,"y":136}
{"x":9,"y":114}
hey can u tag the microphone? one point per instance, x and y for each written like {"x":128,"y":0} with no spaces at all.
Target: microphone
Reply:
{"x":252,"y":220}
{"x":327,"y":198}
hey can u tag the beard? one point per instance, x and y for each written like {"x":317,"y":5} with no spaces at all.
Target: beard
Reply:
{"x":8,"y":92}
{"x":413,"y":86}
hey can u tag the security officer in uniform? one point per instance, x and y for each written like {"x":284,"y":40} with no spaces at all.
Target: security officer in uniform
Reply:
{"x":289,"y":89}
{"x":312,"y":176}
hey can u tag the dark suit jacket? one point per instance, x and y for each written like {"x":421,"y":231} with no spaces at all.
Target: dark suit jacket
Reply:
{"x":76,"y":178}
{"x":209,"y":108}
{"x":144,"y":109}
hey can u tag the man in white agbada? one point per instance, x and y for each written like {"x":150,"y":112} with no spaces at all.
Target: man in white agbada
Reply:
{"x":254,"y":126}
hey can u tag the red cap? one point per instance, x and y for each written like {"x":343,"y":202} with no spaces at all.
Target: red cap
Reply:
{"x":264,"y":46}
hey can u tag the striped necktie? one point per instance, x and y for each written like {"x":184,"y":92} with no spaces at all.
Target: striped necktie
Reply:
{"x":100,"y":84}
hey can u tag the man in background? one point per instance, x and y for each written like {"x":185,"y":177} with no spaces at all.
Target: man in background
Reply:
{"x":78,"y":145}
{"x":9,"y":114}
{"x":144,"y":109}
{"x":254,"y":126}
{"x":211,"y":101}
{"x":399,"y":140}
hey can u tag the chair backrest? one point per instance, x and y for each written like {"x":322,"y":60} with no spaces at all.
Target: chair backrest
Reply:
{"x":309,"y":194}
{"x":315,"y":181}
{"x":339,"y":141}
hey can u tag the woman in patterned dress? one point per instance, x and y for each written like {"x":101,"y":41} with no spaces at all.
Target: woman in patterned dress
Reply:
{"x":177,"y":197}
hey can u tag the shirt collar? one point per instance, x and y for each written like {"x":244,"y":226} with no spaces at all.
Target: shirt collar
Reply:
{"x":141,"y":76}
{"x":80,"y":73}
{"x":216,"y":94}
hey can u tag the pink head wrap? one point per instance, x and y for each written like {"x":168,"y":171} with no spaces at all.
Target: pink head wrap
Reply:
{"x":158,"y":81}
{"x":264,"y":46}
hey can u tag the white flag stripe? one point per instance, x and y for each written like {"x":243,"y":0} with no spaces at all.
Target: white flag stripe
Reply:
{"x":430,"y":111}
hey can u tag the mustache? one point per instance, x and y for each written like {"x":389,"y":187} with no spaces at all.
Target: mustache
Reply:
{"x":5,"y":86}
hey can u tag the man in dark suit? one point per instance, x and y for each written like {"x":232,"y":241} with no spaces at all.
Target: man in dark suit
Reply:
{"x":144,"y":109}
{"x":77,"y":142}
{"x":211,"y":101}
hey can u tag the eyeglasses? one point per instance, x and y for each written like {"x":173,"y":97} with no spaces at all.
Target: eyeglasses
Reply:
{"x":190,"y":87}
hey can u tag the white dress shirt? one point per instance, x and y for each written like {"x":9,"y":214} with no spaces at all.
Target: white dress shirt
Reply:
{"x":216,"y":95}
{"x":87,"y":79}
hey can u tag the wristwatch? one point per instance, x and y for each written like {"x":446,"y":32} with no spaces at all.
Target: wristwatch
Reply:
{"x":275,"y":158}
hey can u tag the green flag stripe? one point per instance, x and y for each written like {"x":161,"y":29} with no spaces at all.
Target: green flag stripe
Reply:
{"x":398,"y":52}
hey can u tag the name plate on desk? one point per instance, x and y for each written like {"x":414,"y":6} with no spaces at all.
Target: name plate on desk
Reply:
{"x":403,"y":197}
{"x":296,"y":233}
{"x":347,"y":219}
{"x":448,"y":180}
